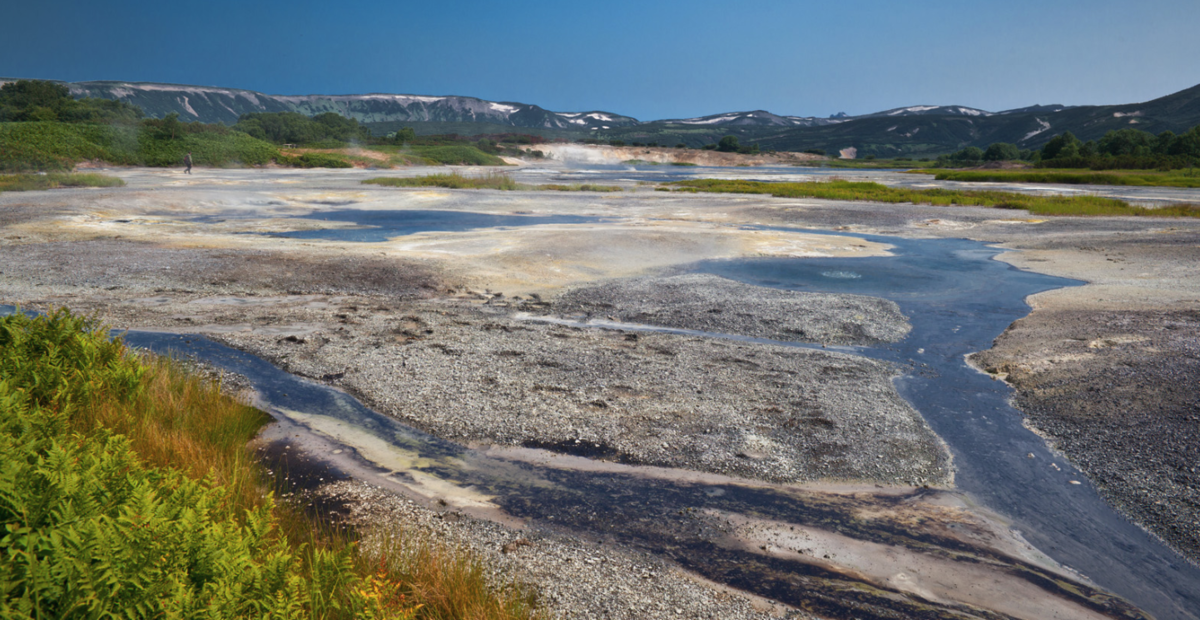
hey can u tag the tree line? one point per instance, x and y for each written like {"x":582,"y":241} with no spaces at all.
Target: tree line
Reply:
{"x":38,"y":100}
{"x":1118,"y":149}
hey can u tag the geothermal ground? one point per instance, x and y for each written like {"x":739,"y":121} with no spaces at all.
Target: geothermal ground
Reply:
{"x":487,"y":336}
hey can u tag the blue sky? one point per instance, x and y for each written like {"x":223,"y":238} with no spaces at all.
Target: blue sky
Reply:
{"x":646,"y":59}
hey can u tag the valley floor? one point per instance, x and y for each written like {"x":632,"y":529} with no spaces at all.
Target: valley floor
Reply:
{"x":447,"y":331}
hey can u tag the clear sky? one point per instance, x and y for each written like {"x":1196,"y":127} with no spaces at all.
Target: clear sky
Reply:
{"x":644,"y":58}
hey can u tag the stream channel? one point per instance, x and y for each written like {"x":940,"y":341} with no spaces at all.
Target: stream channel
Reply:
{"x":958,"y":300}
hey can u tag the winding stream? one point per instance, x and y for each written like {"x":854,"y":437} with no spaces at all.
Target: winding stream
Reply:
{"x":958,"y":300}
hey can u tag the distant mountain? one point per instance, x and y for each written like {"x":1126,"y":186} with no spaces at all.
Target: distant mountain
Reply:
{"x":932,"y":110}
{"x":929,"y":130}
{"x":210,"y":104}
{"x":757,"y":118}
{"x":923,"y":130}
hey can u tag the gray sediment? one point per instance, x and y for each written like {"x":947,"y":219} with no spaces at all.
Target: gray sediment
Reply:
{"x":710,"y":303}
{"x":768,"y":412}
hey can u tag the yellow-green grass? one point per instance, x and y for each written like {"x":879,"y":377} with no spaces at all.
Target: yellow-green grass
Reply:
{"x":452,"y":180}
{"x":875,"y":192}
{"x":126,"y":484}
{"x":434,"y":155}
{"x":854,"y":164}
{"x":492,"y":180}
{"x":1149,"y":178}
{"x":579,"y":187}
{"x":29,"y":182}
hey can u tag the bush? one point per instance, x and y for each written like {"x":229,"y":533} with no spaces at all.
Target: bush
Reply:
{"x":457,"y":155}
{"x":126,"y":490}
{"x":296,"y":128}
{"x":90,"y":528}
{"x":36,"y":100}
{"x":1064,"y":145}
{"x":59,"y":146}
{"x":1002,"y":151}
{"x":53,"y":180}
{"x":452,"y":180}
{"x":314,"y":160}
{"x":56,"y":146}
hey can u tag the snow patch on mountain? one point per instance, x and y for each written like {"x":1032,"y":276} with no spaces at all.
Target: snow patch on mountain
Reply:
{"x":1043,"y":127}
{"x":187,"y":106}
{"x":912,"y":110}
{"x":707,"y":121}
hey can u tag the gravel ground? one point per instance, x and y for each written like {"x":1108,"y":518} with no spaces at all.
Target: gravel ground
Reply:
{"x":572,"y":577}
{"x":473,"y":374}
{"x":714,"y":304}
{"x":1119,"y":392}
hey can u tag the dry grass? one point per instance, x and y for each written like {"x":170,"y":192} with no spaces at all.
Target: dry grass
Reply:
{"x":448,"y":582}
{"x":181,"y":421}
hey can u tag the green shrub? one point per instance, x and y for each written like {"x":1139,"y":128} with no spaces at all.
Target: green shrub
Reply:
{"x":54,"y":146}
{"x":453,"y":180}
{"x":227,"y":149}
{"x":126,"y":490}
{"x":315,"y":160}
{"x":580,"y":187}
{"x":54,"y":180}
{"x":1071,"y":177}
{"x":457,"y":155}
{"x":91,"y":530}
{"x":37,"y":100}
{"x":59,"y":146}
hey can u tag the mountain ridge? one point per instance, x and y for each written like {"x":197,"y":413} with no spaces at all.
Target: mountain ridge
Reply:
{"x":905,"y":131}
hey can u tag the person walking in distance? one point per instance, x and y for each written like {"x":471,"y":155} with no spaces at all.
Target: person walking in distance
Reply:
{"x":187,"y":161}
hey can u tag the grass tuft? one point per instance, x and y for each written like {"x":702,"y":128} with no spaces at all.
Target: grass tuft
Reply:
{"x":54,"y":180}
{"x":580,"y":187}
{"x":874,"y":192}
{"x":1178,"y":178}
{"x":453,"y":180}
{"x":492,"y":180}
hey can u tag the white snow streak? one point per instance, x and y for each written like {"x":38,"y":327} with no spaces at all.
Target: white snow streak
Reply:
{"x":709,"y":121}
{"x":1044,"y":127}
{"x":916,"y":108}
{"x":187,"y":106}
